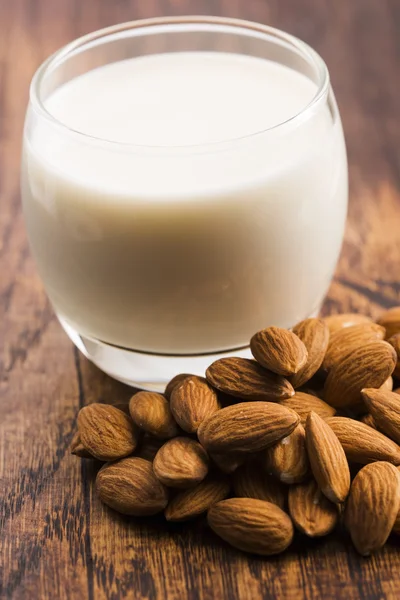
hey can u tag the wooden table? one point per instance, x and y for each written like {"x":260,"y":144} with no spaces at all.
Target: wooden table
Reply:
{"x":56,"y":540}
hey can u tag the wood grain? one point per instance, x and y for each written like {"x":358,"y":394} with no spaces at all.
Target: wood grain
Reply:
{"x":56,"y":540}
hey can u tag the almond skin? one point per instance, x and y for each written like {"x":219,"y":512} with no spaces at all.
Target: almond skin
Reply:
{"x":191,"y":503}
{"x":247,"y":380}
{"x":175,"y":381}
{"x":181,"y":463}
{"x":151,"y":413}
{"x":288,"y":459}
{"x":193,"y":401}
{"x":312,"y":513}
{"x":328,"y":460}
{"x":78,"y":448}
{"x":314,"y":333}
{"x":251,"y":525}
{"x":336,"y":322}
{"x":368,"y":366}
{"x":390,"y":320}
{"x":345,"y":341}
{"x":249,"y":481}
{"x":130,"y":487}
{"x":246,"y":427}
{"x":373,"y":505}
{"x":362,"y":444}
{"x":368,"y":420}
{"x":303,"y":404}
{"x":279,"y":350}
{"x":395,"y":342}
{"x":106,"y":432}
{"x":384,"y":406}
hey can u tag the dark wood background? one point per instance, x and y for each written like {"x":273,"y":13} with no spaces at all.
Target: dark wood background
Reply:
{"x":56,"y":540}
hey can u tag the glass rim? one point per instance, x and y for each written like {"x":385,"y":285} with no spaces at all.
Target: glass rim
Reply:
{"x":251,"y":27}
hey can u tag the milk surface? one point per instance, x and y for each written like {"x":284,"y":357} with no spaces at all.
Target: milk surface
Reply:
{"x":198,"y":221}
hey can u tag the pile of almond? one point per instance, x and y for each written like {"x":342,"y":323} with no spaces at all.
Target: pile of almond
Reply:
{"x":303,"y":437}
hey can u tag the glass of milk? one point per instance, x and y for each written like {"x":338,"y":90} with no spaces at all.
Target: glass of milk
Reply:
{"x":184,"y":184}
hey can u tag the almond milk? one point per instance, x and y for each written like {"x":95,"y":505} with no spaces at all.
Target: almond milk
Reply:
{"x":199,"y":221}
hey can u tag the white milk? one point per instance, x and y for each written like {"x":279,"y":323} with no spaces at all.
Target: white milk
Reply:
{"x":193,"y":248}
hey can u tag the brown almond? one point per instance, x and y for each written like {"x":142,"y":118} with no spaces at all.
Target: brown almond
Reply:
{"x":312,"y":513}
{"x":328,"y":460}
{"x":251,"y":525}
{"x":396,"y":390}
{"x":130,"y":487}
{"x":368,"y":419}
{"x":279,"y":350}
{"x":181,"y":463}
{"x":78,"y":448}
{"x":246,"y":427}
{"x":390,"y":320}
{"x":175,"y":381}
{"x":336,"y":322}
{"x":249,"y":481}
{"x":193,"y":401}
{"x":191,"y":503}
{"x":368,"y":366}
{"x":303,"y":404}
{"x":288,"y":459}
{"x":247,"y":380}
{"x":228,"y":462}
{"x":362,"y":444}
{"x":388,"y":385}
{"x":151,"y":412}
{"x":395,"y":342}
{"x":314,"y":333}
{"x":345,"y":341}
{"x":373,"y":505}
{"x":384,"y":407}
{"x":106,"y":432}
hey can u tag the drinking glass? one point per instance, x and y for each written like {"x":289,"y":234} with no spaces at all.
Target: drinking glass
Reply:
{"x":246,"y":233}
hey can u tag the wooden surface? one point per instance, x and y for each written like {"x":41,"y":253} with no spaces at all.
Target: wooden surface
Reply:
{"x":56,"y":540}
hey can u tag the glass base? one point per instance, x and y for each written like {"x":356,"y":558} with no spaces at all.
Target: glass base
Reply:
{"x":138,"y":369}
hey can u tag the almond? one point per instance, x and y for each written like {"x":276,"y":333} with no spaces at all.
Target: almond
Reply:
{"x":129,"y":486}
{"x":368,"y":419}
{"x":228,"y":462}
{"x":279,"y":350}
{"x":368,"y":366}
{"x":384,"y":407}
{"x":106,"y":432}
{"x":312,"y":513}
{"x":373,"y":505}
{"x":314,"y":333}
{"x":193,"y":401}
{"x":78,"y":448}
{"x":288,"y":459}
{"x":390,"y":320}
{"x":151,"y":412}
{"x":388,"y":385}
{"x":191,"y":503}
{"x":328,"y":460}
{"x":249,"y":481}
{"x":395,"y":342}
{"x":247,"y":380}
{"x":303,"y":404}
{"x":246,"y":427}
{"x":251,"y":525}
{"x":181,"y":462}
{"x":345,"y":341}
{"x":362,"y":444}
{"x":336,"y":322}
{"x":175,"y":381}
